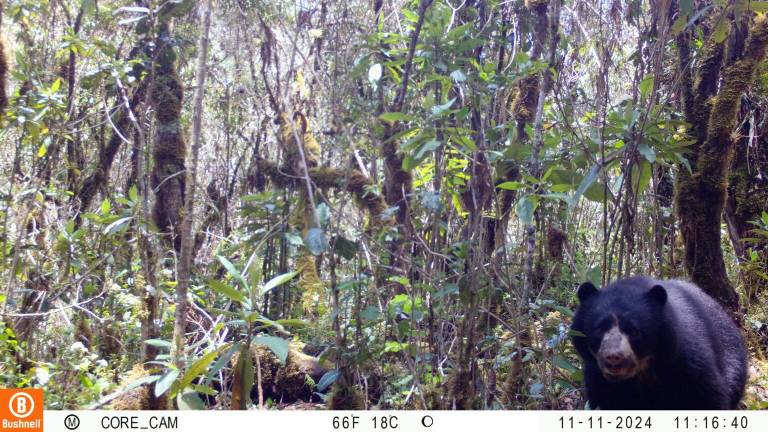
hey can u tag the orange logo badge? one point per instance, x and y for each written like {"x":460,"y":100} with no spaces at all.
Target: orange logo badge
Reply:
{"x":21,"y":410}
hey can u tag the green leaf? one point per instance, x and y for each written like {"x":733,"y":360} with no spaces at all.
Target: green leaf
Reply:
{"x":117,"y":225}
{"x":722,"y":29}
{"x":586,"y":182}
{"x":328,"y":378}
{"x":647,"y":152}
{"x":232,"y":270}
{"x":133,"y":193}
{"x":199,"y":367}
{"x":525,"y":208}
{"x":224,"y":359}
{"x":563,"y":363}
{"x":641,"y":177}
{"x":158,"y":343}
{"x":227,"y":290}
{"x":164,"y":383}
{"x":242,"y":382}
{"x":189,"y":400}
{"x":511,"y":185}
{"x":438,"y":110}
{"x":141,"y":381}
{"x":426,"y":148}
{"x":458,"y":76}
{"x":292,"y":323}
{"x":646,"y":85}
{"x":277,"y":345}
{"x":134,"y":9}
{"x":105,"y":206}
{"x":316,"y":241}
{"x":277,"y":281}
{"x":392,"y":117}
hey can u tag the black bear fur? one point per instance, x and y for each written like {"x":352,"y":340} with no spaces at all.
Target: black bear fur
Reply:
{"x":689,"y":353}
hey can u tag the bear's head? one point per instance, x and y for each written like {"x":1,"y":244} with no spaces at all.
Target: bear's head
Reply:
{"x":621,"y":326}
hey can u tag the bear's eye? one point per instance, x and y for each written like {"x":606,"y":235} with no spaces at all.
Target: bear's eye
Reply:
{"x":630,"y":330}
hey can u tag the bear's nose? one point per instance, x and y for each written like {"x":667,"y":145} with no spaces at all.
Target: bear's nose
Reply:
{"x":614,"y":359}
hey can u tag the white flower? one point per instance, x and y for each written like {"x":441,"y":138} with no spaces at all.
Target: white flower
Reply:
{"x":78,"y":347}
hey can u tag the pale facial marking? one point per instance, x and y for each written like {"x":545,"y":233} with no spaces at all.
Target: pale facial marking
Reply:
{"x":615,"y":357}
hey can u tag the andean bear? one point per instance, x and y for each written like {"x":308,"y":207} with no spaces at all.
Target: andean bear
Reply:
{"x":658,"y":344}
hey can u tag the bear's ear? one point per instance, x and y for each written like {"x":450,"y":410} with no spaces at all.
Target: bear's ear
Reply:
{"x":658,"y":295}
{"x":586,"y":290}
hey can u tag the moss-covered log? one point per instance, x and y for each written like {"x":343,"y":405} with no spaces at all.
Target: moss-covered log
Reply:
{"x":285,"y":382}
{"x":701,"y":195}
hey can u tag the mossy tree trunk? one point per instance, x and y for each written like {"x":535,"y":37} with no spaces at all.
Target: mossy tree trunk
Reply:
{"x":711,"y":111}
{"x":748,"y":199}
{"x":169,"y":150}
{"x":397,"y":189}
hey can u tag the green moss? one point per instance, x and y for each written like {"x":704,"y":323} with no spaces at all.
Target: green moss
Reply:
{"x":135,"y":399}
{"x":524,"y":103}
{"x":311,"y":286}
{"x":345,"y":396}
{"x":169,"y":148}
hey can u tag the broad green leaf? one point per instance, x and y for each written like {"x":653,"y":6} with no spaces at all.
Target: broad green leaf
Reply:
{"x":227,"y":290}
{"x":189,"y":400}
{"x":232,"y":270}
{"x":134,"y":9}
{"x":292,"y":323}
{"x":117,"y":225}
{"x":510,"y":185}
{"x":224,"y":359}
{"x":277,"y":345}
{"x":164,"y":383}
{"x":141,"y":381}
{"x":586,"y":182}
{"x":392,"y":117}
{"x":722,"y":29}
{"x":158,"y":343}
{"x":328,"y":378}
{"x":525,"y":208}
{"x":438,"y":110}
{"x":426,"y":148}
{"x":199,"y":367}
{"x":133,"y":193}
{"x":458,"y":76}
{"x":646,"y":85}
{"x":647,"y":152}
{"x":277,"y":281}
{"x":242,"y":381}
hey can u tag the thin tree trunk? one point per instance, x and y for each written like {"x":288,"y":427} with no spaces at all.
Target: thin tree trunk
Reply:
{"x":187,"y":237}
